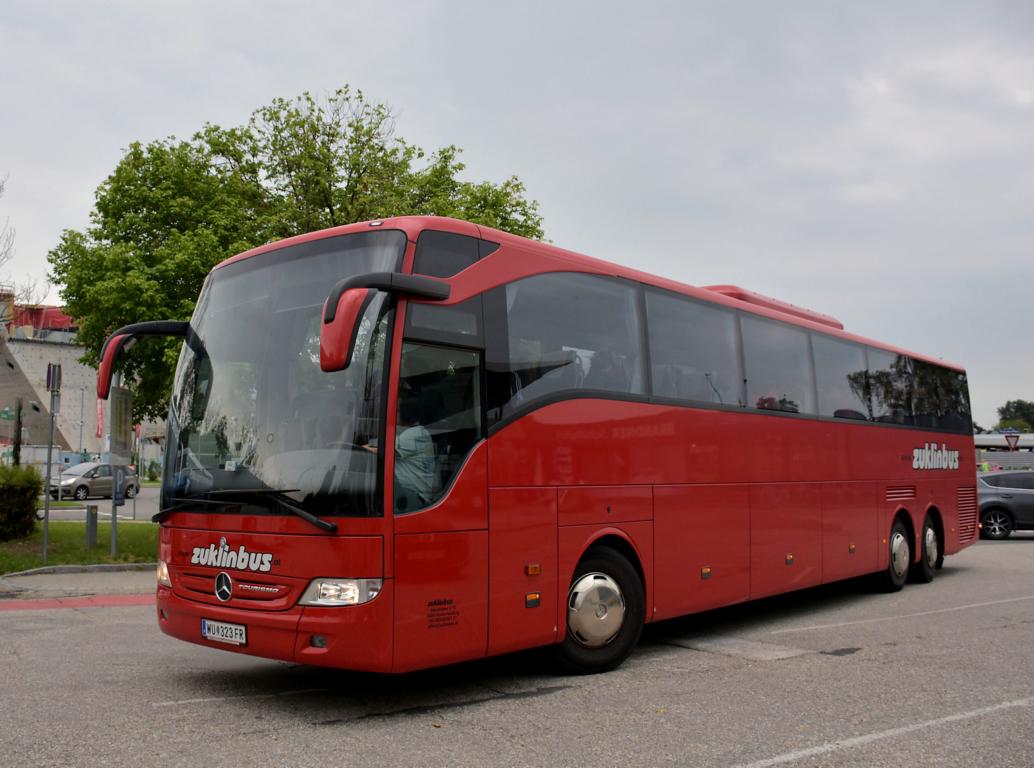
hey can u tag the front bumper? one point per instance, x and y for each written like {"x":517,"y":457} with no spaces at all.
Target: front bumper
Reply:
{"x":357,"y":637}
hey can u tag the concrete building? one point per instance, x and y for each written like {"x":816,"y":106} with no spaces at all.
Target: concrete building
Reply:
{"x":31,"y":337}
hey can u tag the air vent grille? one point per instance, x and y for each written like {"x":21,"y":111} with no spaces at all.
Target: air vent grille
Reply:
{"x":901,"y":492}
{"x":967,"y":514}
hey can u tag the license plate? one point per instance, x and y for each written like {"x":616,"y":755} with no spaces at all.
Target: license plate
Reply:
{"x":221,"y":632}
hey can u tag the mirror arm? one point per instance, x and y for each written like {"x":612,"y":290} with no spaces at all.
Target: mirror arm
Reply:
{"x":128,"y":333}
{"x":416,"y":286}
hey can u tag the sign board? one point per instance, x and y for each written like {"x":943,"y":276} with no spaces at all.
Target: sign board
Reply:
{"x":1013,"y":440}
{"x":118,"y":484}
{"x":121,"y":427}
{"x":53,"y":377}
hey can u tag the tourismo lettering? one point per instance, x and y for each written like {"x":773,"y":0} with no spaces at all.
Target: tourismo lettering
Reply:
{"x":224,"y":557}
{"x":932,"y":457}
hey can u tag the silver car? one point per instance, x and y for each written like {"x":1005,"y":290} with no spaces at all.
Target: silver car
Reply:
{"x":89,"y":479}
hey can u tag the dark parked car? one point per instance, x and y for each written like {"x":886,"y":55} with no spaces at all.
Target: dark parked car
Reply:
{"x":85,"y":480}
{"x":1006,"y":503}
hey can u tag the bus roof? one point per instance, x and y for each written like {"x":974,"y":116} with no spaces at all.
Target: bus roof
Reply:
{"x":550,"y":258}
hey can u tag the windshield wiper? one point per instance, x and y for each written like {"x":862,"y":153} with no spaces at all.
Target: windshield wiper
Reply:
{"x":184,"y":502}
{"x":277,"y":496}
{"x":281,"y":498}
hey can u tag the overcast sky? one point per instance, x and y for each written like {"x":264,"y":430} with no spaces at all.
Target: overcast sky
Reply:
{"x":873,"y":161}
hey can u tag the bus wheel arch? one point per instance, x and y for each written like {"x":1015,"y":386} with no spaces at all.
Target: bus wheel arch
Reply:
{"x":605,"y":607}
{"x":623,"y":547}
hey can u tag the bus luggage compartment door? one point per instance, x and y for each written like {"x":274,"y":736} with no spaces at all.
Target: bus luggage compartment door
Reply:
{"x":522,"y":568}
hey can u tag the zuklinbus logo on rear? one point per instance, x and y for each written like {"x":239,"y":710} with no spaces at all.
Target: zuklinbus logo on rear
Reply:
{"x":222,"y":556}
{"x":932,"y":457}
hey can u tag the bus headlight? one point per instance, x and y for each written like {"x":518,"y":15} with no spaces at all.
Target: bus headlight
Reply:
{"x":341,"y":591}
{"x":163,"y":574}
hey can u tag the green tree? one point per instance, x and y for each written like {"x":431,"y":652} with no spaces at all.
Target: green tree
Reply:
{"x":1018,"y":414}
{"x":173,"y":209}
{"x":1020,"y":425}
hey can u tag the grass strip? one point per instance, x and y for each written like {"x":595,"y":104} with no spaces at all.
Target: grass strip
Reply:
{"x":66,"y":545}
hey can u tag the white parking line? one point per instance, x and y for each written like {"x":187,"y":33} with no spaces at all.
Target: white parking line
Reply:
{"x":868,"y":738}
{"x":901,"y":616}
{"x":209,"y":699}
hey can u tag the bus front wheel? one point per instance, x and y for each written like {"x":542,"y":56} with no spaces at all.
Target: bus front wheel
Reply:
{"x":605,"y":612}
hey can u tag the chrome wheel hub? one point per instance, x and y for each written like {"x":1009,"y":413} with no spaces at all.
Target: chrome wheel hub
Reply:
{"x":899,"y":554}
{"x":595,"y":610}
{"x":931,"y":547}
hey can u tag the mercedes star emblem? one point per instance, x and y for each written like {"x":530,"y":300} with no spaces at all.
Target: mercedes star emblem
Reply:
{"x":223,"y":586}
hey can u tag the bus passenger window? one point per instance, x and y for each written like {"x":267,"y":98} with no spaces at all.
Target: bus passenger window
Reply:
{"x":565,"y":333}
{"x":779,"y":375}
{"x":940,"y":398}
{"x":694,"y":350}
{"x":890,"y":382}
{"x":840,"y":374}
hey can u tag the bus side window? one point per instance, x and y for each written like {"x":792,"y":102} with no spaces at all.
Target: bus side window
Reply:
{"x":940,"y":398}
{"x":840,"y":374}
{"x":438,"y":420}
{"x":564,"y":333}
{"x":890,"y":382}
{"x":444,"y":254}
{"x":779,"y":370}
{"x":694,"y":350}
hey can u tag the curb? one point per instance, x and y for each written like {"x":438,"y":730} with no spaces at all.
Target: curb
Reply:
{"x":95,"y":568}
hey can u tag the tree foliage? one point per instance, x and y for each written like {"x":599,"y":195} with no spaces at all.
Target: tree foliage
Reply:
{"x":1018,"y":414}
{"x":173,"y":209}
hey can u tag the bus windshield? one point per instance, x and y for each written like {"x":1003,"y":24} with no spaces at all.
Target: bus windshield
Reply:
{"x":251,"y":411}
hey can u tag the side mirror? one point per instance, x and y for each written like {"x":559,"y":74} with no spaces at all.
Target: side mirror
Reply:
{"x":338,"y":335}
{"x":124,"y":337}
{"x":347,"y":302}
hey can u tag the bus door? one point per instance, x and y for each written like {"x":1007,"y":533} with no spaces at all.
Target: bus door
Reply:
{"x":440,"y":502}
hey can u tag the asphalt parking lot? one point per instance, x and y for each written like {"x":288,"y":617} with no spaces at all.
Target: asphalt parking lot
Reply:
{"x":936,"y":675}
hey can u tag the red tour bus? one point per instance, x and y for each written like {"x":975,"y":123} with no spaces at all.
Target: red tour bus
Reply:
{"x":411,"y":442}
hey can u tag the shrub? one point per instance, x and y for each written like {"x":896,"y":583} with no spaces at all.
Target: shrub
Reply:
{"x":20,"y":488}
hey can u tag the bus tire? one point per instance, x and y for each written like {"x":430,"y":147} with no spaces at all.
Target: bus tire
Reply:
{"x":605,"y":612}
{"x":899,"y":561}
{"x":929,"y":554}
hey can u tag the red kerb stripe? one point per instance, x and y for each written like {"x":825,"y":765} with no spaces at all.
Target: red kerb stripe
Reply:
{"x":93,"y":601}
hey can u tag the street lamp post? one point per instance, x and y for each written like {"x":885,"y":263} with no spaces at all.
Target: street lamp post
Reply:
{"x":82,"y":400}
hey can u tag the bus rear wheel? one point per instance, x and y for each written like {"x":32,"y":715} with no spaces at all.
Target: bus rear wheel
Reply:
{"x":900,"y":560}
{"x":930,"y":555}
{"x":605,"y":612}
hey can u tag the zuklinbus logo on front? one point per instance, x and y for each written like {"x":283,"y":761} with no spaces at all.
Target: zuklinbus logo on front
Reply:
{"x":222,"y":556}
{"x":932,"y":457}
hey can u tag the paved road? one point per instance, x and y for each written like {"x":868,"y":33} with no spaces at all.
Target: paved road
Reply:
{"x":936,"y":675}
{"x":146,"y":507}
